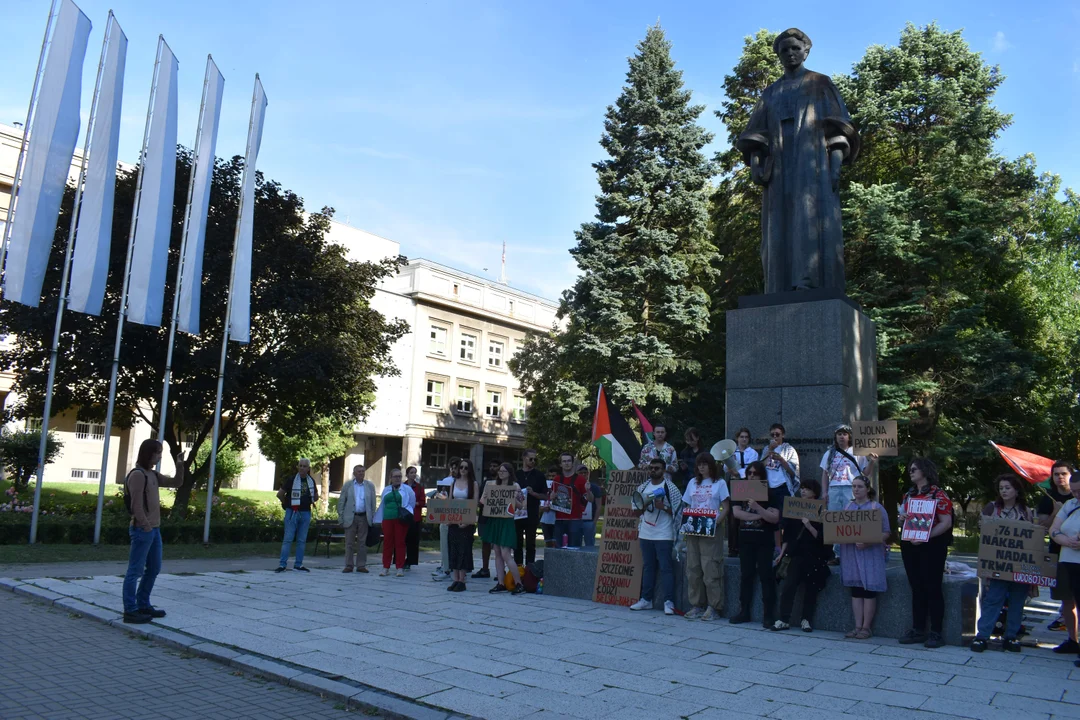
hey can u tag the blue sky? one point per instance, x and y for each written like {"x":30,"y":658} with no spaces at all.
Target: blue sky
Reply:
{"x":451,"y":127}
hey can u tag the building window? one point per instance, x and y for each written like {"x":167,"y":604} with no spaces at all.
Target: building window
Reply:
{"x":89,"y":431}
{"x":438,"y":340}
{"x":434,"y":394}
{"x":466,"y":395}
{"x":467,"y":352}
{"x":438,"y":457}
{"x":494,"y":404}
{"x":80,"y":474}
{"x":520,"y":409}
{"x":32,"y":424}
{"x":495,"y":353}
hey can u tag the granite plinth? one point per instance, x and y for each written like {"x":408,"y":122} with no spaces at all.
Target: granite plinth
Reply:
{"x":571,"y":573}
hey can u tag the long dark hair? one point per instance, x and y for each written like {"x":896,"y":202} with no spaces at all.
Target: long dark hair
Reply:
{"x":1017,"y":485}
{"x":694,"y":431}
{"x":463,"y":464}
{"x":510,"y":471}
{"x":147,"y":450}
{"x":927,"y":468}
{"x":709,"y":460}
{"x":758,"y":467}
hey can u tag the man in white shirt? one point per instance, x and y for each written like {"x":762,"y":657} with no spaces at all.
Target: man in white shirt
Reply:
{"x":443,"y":572}
{"x":356,"y":512}
{"x":656,"y":534}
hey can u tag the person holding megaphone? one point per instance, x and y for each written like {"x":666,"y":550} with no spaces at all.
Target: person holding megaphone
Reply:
{"x":655,"y":503}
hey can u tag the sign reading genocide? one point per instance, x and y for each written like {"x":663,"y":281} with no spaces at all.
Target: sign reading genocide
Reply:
{"x":498,"y":500}
{"x":451,"y":512}
{"x":874,"y":436}
{"x":700,"y":522}
{"x":618,"y":567}
{"x":797,"y":508}
{"x":852,"y":526}
{"x":1014,"y":550}
{"x":744,"y":489}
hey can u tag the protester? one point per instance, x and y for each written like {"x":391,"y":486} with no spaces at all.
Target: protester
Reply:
{"x":443,"y":571}
{"x":688,"y":456}
{"x":297,"y":496}
{"x":569,"y":490}
{"x":1065,"y":531}
{"x":485,"y":547}
{"x":862,"y":565}
{"x":412,"y":537}
{"x":1049,"y":505}
{"x":591,"y":511}
{"x":744,"y":454}
{"x":144,"y":558}
{"x":396,"y":514}
{"x":531,"y":480}
{"x":660,"y":449}
{"x":656,"y":535}
{"x":356,"y":513}
{"x":805,"y":552}
{"x":705,"y":555}
{"x":758,"y":525}
{"x":1010,"y":504}
{"x":924,"y":562}
{"x":501,"y":534}
{"x":781,"y":462}
{"x":460,"y":537}
{"x":547,"y":515}
{"x":839,"y":468}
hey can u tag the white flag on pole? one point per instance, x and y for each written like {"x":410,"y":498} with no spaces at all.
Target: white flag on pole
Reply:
{"x":90,"y":268}
{"x":150,"y":254}
{"x":48,"y":158}
{"x":240,"y":293}
{"x":191,"y":282}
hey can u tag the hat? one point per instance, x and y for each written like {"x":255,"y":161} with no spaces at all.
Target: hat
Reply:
{"x":842,"y":427}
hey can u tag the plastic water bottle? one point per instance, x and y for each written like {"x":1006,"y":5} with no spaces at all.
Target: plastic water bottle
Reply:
{"x":540,"y":587}
{"x":565,"y":540}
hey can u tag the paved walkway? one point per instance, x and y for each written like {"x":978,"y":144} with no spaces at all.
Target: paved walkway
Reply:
{"x":498,"y":656}
{"x":56,"y":665}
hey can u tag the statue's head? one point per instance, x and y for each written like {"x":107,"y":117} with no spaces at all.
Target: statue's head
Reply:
{"x":792,"y":46}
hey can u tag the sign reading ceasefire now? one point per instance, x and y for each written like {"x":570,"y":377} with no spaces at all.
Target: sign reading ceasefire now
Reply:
{"x":852,"y":526}
{"x":618,"y":568}
{"x":1014,"y":550}
{"x":451,"y":512}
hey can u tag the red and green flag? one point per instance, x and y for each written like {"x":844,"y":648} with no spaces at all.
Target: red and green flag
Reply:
{"x":614,"y":440}
{"x":1033,"y":468}
{"x":646,"y":426}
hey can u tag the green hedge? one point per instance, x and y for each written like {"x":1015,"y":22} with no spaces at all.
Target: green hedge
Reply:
{"x":15,"y":529}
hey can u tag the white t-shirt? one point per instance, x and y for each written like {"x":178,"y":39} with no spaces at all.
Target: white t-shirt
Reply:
{"x":1071,"y":527}
{"x":777,"y":476}
{"x":708,"y":494}
{"x":841,"y":471}
{"x":548,"y":516}
{"x":656,"y":525}
{"x":744,"y":458}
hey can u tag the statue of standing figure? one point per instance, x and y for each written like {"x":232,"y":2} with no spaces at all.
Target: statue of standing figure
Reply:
{"x":798,"y":136}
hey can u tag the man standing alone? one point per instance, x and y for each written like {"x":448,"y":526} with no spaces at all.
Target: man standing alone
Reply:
{"x":297,"y":496}
{"x":356,"y":510}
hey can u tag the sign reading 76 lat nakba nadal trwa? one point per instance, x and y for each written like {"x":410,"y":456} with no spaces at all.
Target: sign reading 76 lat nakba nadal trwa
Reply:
{"x":1015,"y":551}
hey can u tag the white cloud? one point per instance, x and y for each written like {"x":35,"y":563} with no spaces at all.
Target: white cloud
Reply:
{"x":1000,"y":43}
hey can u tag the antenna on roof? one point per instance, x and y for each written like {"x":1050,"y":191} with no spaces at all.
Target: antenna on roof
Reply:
{"x":502,"y":273}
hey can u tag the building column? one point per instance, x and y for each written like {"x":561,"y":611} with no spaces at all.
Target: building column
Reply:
{"x":375,"y":457}
{"x":410,"y":452}
{"x":476,"y":457}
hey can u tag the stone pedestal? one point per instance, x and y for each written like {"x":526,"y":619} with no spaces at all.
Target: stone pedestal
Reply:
{"x":806,"y":360}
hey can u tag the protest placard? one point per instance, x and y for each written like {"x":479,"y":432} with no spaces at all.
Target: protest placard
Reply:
{"x":451,"y":512}
{"x":797,"y":508}
{"x":852,"y":526}
{"x":561,"y":500}
{"x":920,"y":519}
{"x":874,"y":436}
{"x":1015,"y":551}
{"x":618,"y":567}
{"x":498,"y":500}
{"x":699,"y":522}
{"x":749,"y":489}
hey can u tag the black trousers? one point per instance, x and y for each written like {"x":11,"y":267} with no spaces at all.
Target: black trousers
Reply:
{"x":755,"y":565}
{"x":412,"y":544}
{"x":798,"y":571}
{"x":526,"y":539}
{"x":925,"y":568}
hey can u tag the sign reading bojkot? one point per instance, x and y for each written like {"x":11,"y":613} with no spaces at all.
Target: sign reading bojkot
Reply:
{"x":618,"y":567}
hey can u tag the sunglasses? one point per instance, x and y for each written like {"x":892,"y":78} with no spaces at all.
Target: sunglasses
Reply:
{"x":776,"y":434}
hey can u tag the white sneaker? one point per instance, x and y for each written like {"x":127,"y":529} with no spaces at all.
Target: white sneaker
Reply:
{"x":709,"y":614}
{"x":400,"y":573}
{"x":694,"y":613}
{"x":641,"y":604}
{"x":806,"y":626}
{"x":669,"y":607}
{"x":384,"y":573}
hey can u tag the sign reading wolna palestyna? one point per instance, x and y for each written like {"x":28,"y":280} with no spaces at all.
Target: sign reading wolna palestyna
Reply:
{"x":874,"y":436}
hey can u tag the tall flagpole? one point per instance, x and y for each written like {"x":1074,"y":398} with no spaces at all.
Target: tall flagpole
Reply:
{"x":122,"y":314}
{"x":225,"y":335}
{"x":17,"y":177}
{"x":162,"y":412}
{"x":61,"y":301}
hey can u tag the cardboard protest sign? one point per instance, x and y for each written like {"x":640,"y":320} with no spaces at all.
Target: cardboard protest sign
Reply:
{"x":797,"y":508}
{"x":561,"y":500}
{"x":699,"y":522}
{"x":874,"y":436}
{"x":749,"y":489}
{"x":451,"y":512}
{"x":920,"y":520}
{"x":852,"y":526}
{"x":619,"y":565}
{"x":1015,"y":551}
{"x":498,"y":500}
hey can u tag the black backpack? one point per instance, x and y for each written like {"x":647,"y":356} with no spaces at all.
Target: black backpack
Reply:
{"x":127,"y":494}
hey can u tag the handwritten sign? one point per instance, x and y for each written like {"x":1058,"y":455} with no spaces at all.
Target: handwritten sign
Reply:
{"x":451,"y":512}
{"x":920,"y":520}
{"x":852,"y":526}
{"x":874,"y":436}
{"x":498,"y":500}
{"x":699,"y":522}
{"x":797,"y":508}
{"x":618,"y":568}
{"x":749,"y":489}
{"x":1015,"y":551}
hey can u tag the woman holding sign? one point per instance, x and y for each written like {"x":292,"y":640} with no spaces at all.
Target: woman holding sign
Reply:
{"x":501,"y":533}
{"x":706,"y":508}
{"x":1009,"y":504}
{"x":862,"y":565}
{"x":924,"y":543}
{"x":804,"y":545}
{"x":758,"y":523}
{"x":460,"y":537}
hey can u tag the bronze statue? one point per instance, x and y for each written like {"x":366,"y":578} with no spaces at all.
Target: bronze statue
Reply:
{"x":798,"y":136}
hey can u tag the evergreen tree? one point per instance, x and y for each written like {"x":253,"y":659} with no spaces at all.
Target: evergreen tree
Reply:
{"x":640,"y":308}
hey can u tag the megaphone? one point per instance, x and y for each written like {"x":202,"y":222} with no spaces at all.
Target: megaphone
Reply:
{"x":724,"y":452}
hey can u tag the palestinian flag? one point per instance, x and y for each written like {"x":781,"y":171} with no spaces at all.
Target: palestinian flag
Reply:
{"x":646,"y":426}
{"x":1033,"y":468}
{"x":611,"y":434}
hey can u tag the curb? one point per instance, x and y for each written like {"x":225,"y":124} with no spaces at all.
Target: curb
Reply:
{"x":356,"y":696}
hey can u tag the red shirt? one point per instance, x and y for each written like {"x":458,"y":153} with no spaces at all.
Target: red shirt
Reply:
{"x":421,"y":500}
{"x":578,"y":484}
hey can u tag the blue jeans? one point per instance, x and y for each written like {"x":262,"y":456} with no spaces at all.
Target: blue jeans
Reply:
{"x":296,"y":527}
{"x":572,"y":530}
{"x":588,"y":532}
{"x":994,"y":594}
{"x":657,"y":553}
{"x":143,"y":560}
